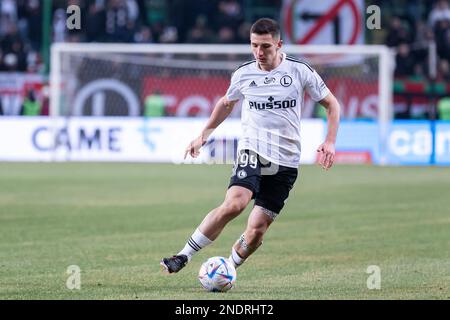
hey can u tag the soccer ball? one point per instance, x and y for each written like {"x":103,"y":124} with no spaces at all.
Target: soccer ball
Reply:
{"x":217,"y":274}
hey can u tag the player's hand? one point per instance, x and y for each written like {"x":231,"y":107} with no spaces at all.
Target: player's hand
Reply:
{"x":194,"y":147}
{"x":326,"y":154}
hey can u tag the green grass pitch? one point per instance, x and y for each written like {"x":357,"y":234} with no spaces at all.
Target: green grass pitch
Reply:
{"x":116,"y":221}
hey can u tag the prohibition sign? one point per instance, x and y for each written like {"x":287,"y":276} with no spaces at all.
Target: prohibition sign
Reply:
{"x":322,"y":21}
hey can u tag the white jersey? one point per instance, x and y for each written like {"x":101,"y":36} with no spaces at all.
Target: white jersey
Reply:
{"x":272,"y":107}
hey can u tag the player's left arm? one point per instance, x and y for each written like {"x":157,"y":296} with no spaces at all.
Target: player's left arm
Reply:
{"x":327,"y":149}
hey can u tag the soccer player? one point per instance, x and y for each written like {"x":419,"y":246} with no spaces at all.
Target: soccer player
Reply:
{"x":272,"y":88}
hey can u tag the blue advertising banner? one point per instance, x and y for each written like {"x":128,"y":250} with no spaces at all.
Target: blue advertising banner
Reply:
{"x":408,"y":142}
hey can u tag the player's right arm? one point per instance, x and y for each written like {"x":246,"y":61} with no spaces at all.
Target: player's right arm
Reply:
{"x":221,"y":111}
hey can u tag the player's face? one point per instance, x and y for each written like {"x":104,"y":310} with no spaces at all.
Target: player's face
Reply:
{"x":265,"y":50}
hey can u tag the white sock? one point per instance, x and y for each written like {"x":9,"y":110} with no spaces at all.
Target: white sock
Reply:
{"x":196,"y":242}
{"x":235,"y":258}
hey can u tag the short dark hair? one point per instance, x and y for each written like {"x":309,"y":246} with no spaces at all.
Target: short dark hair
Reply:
{"x":266,"y":26}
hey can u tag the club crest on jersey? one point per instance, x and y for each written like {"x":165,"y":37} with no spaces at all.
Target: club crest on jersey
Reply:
{"x":241,"y":174}
{"x":268,"y":80}
{"x":286,"y":81}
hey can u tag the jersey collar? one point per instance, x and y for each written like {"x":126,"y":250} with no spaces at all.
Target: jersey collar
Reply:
{"x":283,"y":59}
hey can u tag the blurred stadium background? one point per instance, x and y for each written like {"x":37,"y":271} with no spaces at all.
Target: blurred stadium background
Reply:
{"x":137,"y":81}
{"x":162,"y":84}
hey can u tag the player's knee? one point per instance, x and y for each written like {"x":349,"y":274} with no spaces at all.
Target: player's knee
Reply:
{"x":233,"y":207}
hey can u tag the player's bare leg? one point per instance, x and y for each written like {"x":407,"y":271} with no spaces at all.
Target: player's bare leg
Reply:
{"x":258,"y":223}
{"x":236,"y":200}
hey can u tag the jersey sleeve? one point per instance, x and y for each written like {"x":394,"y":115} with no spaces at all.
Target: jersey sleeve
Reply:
{"x":315,"y":86}
{"x":234,"y":90}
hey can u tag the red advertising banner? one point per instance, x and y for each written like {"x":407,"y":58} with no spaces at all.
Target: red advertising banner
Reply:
{"x":358,"y":99}
{"x":194,"y":96}
{"x":187,"y":96}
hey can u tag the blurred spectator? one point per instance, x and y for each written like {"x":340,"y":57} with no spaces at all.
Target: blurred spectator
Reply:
{"x":443,"y":71}
{"x":423,"y":34}
{"x":13,"y":50}
{"x":397,"y":33}
{"x":154,"y":105}
{"x":443,"y":107}
{"x":420,"y":72}
{"x":206,"y":8}
{"x":120,"y":25}
{"x":440,"y":12}
{"x":10,"y":62}
{"x":404,"y":61}
{"x":178,"y":17}
{"x":59,"y":25}
{"x":133,"y":10}
{"x":414,"y":10}
{"x":169,"y":35}
{"x":446,"y":47}
{"x":45,"y":105}
{"x":31,"y":106}
{"x":156,"y":11}
{"x":8,"y":9}
{"x":31,"y":17}
{"x":200,"y":33}
{"x":95,"y":23}
{"x":144,"y":35}
{"x":156,"y":16}
{"x":34,"y":62}
{"x":243,"y":34}
{"x":229,"y":14}
{"x":226,"y":35}
{"x":442,"y":28}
